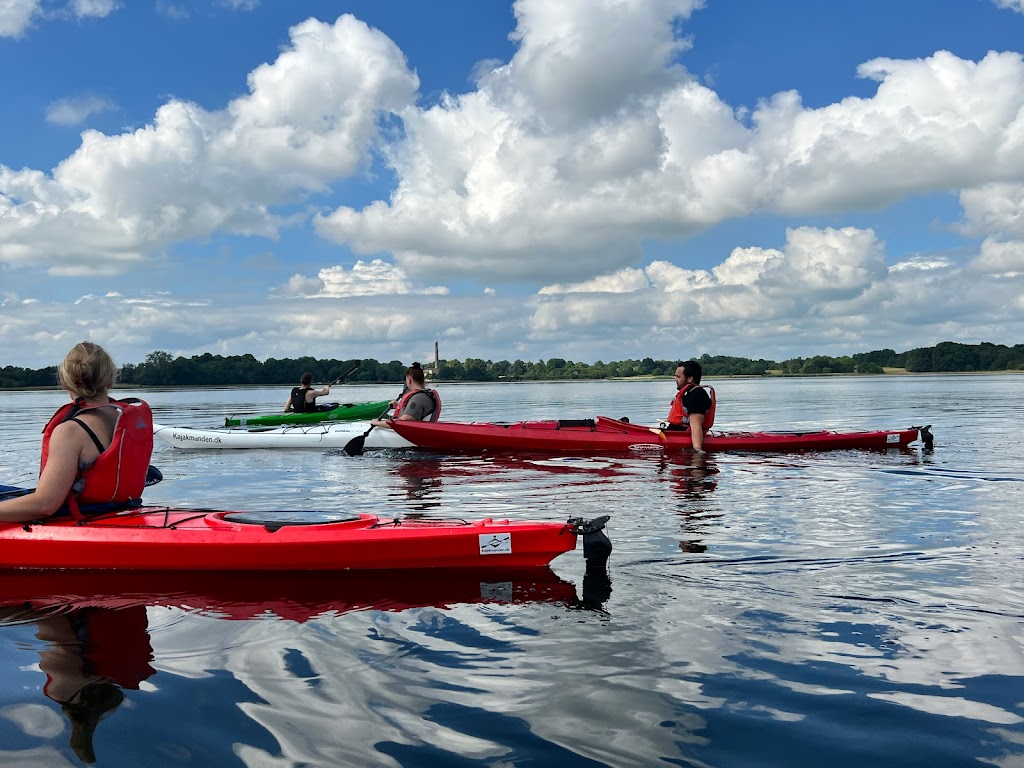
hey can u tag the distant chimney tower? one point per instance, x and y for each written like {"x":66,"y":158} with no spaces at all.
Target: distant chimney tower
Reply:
{"x":436,"y":358}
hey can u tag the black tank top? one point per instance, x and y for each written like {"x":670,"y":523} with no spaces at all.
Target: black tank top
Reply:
{"x":299,"y":404}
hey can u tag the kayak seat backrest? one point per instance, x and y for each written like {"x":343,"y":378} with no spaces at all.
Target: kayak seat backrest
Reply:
{"x":273,"y":520}
{"x":575,"y":423}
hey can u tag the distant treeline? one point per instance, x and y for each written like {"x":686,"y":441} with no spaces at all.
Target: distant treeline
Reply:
{"x":160,"y":369}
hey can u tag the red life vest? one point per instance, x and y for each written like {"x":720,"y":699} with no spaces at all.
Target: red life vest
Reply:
{"x":432,"y":416}
{"x":118,"y":475}
{"x":678,"y":414}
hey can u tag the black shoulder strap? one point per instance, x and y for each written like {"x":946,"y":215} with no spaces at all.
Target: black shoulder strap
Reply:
{"x":90,"y":433}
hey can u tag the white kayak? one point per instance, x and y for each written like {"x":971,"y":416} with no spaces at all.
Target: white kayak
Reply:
{"x":322,"y":436}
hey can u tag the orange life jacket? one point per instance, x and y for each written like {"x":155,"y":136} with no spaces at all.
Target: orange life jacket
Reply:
{"x":678,"y":414}
{"x":118,"y":475}
{"x":432,"y":416}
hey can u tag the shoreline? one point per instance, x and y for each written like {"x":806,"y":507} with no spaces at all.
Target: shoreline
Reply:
{"x":898,"y":372}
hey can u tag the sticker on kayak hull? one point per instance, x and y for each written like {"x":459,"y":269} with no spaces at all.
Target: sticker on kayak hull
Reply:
{"x":892,"y":437}
{"x":495,"y":543}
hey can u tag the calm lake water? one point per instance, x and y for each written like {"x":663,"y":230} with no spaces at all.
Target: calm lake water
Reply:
{"x":849,"y":608}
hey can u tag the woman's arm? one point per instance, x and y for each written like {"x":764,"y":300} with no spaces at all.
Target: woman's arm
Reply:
{"x":54,"y":483}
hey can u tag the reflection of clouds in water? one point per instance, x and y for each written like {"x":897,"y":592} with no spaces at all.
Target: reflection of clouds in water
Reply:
{"x":37,"y":757}
{"x":828,"y":647}
{"x":372,"y":683}
{"x":950,"y":706}
{"x":34,"y":719}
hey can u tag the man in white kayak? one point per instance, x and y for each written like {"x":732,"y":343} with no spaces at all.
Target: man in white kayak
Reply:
{"x":416,"y":403}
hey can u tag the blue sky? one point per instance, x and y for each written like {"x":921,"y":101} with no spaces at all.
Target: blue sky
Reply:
{"x":590,"y":180}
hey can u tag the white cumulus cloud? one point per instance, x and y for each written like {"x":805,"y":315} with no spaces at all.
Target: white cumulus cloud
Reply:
{"x":74,"y":111}
{"x":828,"y":289}
{"x":309,"y":118}
{"x":564,"y":160}
{"x":1013,"y":5}
{"x":16,"y":16}
{"x":374,"y":278}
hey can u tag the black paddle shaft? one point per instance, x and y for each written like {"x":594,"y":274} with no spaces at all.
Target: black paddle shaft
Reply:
{"x":346,"y":374}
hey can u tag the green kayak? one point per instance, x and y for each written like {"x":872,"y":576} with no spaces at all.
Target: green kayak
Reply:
{"x":326,"y":412}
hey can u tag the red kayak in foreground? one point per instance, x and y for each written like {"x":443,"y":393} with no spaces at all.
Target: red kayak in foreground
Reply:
{"x":164,"y":538}
{"x":605,"y":434}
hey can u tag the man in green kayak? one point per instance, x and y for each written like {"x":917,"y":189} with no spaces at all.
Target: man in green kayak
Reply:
{"x":303,"y":398}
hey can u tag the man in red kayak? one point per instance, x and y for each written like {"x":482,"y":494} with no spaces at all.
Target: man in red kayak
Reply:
{"x":693,"y":408}
{"x":96,"y":450}
{"x":416,"y":403}
{"x":303,"y":398}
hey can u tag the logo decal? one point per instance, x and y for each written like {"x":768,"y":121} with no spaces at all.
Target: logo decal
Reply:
{"x":495,"y":543}
{"x":194,"y":438}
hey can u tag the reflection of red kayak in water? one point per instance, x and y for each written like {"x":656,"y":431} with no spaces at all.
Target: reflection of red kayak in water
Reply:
{"x":94,"y":623}
{"x":293,"y":596}
{"x":605,"y":434}
{"x":162,"y":538}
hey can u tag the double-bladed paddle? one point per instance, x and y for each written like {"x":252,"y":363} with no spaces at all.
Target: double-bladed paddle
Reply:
{"x":354,"y":447}
{"x":153,"y":476}
{"x":10,"y":492}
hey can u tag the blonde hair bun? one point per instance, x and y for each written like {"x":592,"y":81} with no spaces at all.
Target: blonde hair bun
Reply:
{"x":87,"y":371}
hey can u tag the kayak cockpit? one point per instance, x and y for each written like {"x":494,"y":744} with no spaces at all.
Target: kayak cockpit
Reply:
{"x":274,"y":520}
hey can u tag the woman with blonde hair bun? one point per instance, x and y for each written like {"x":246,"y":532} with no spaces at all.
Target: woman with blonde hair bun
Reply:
{"x":96,"y":450}
{"x":87,"y":371}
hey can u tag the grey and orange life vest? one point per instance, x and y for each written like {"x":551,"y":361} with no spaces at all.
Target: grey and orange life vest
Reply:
{"x":432,"y":415}
{"x":118,"y":475}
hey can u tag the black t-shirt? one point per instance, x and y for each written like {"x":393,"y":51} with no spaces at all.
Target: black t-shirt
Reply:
{"x":697,"y":400}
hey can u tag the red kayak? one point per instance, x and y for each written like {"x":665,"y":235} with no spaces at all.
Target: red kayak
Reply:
{"x":605,"y":434}
{"x":164,"y":538}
